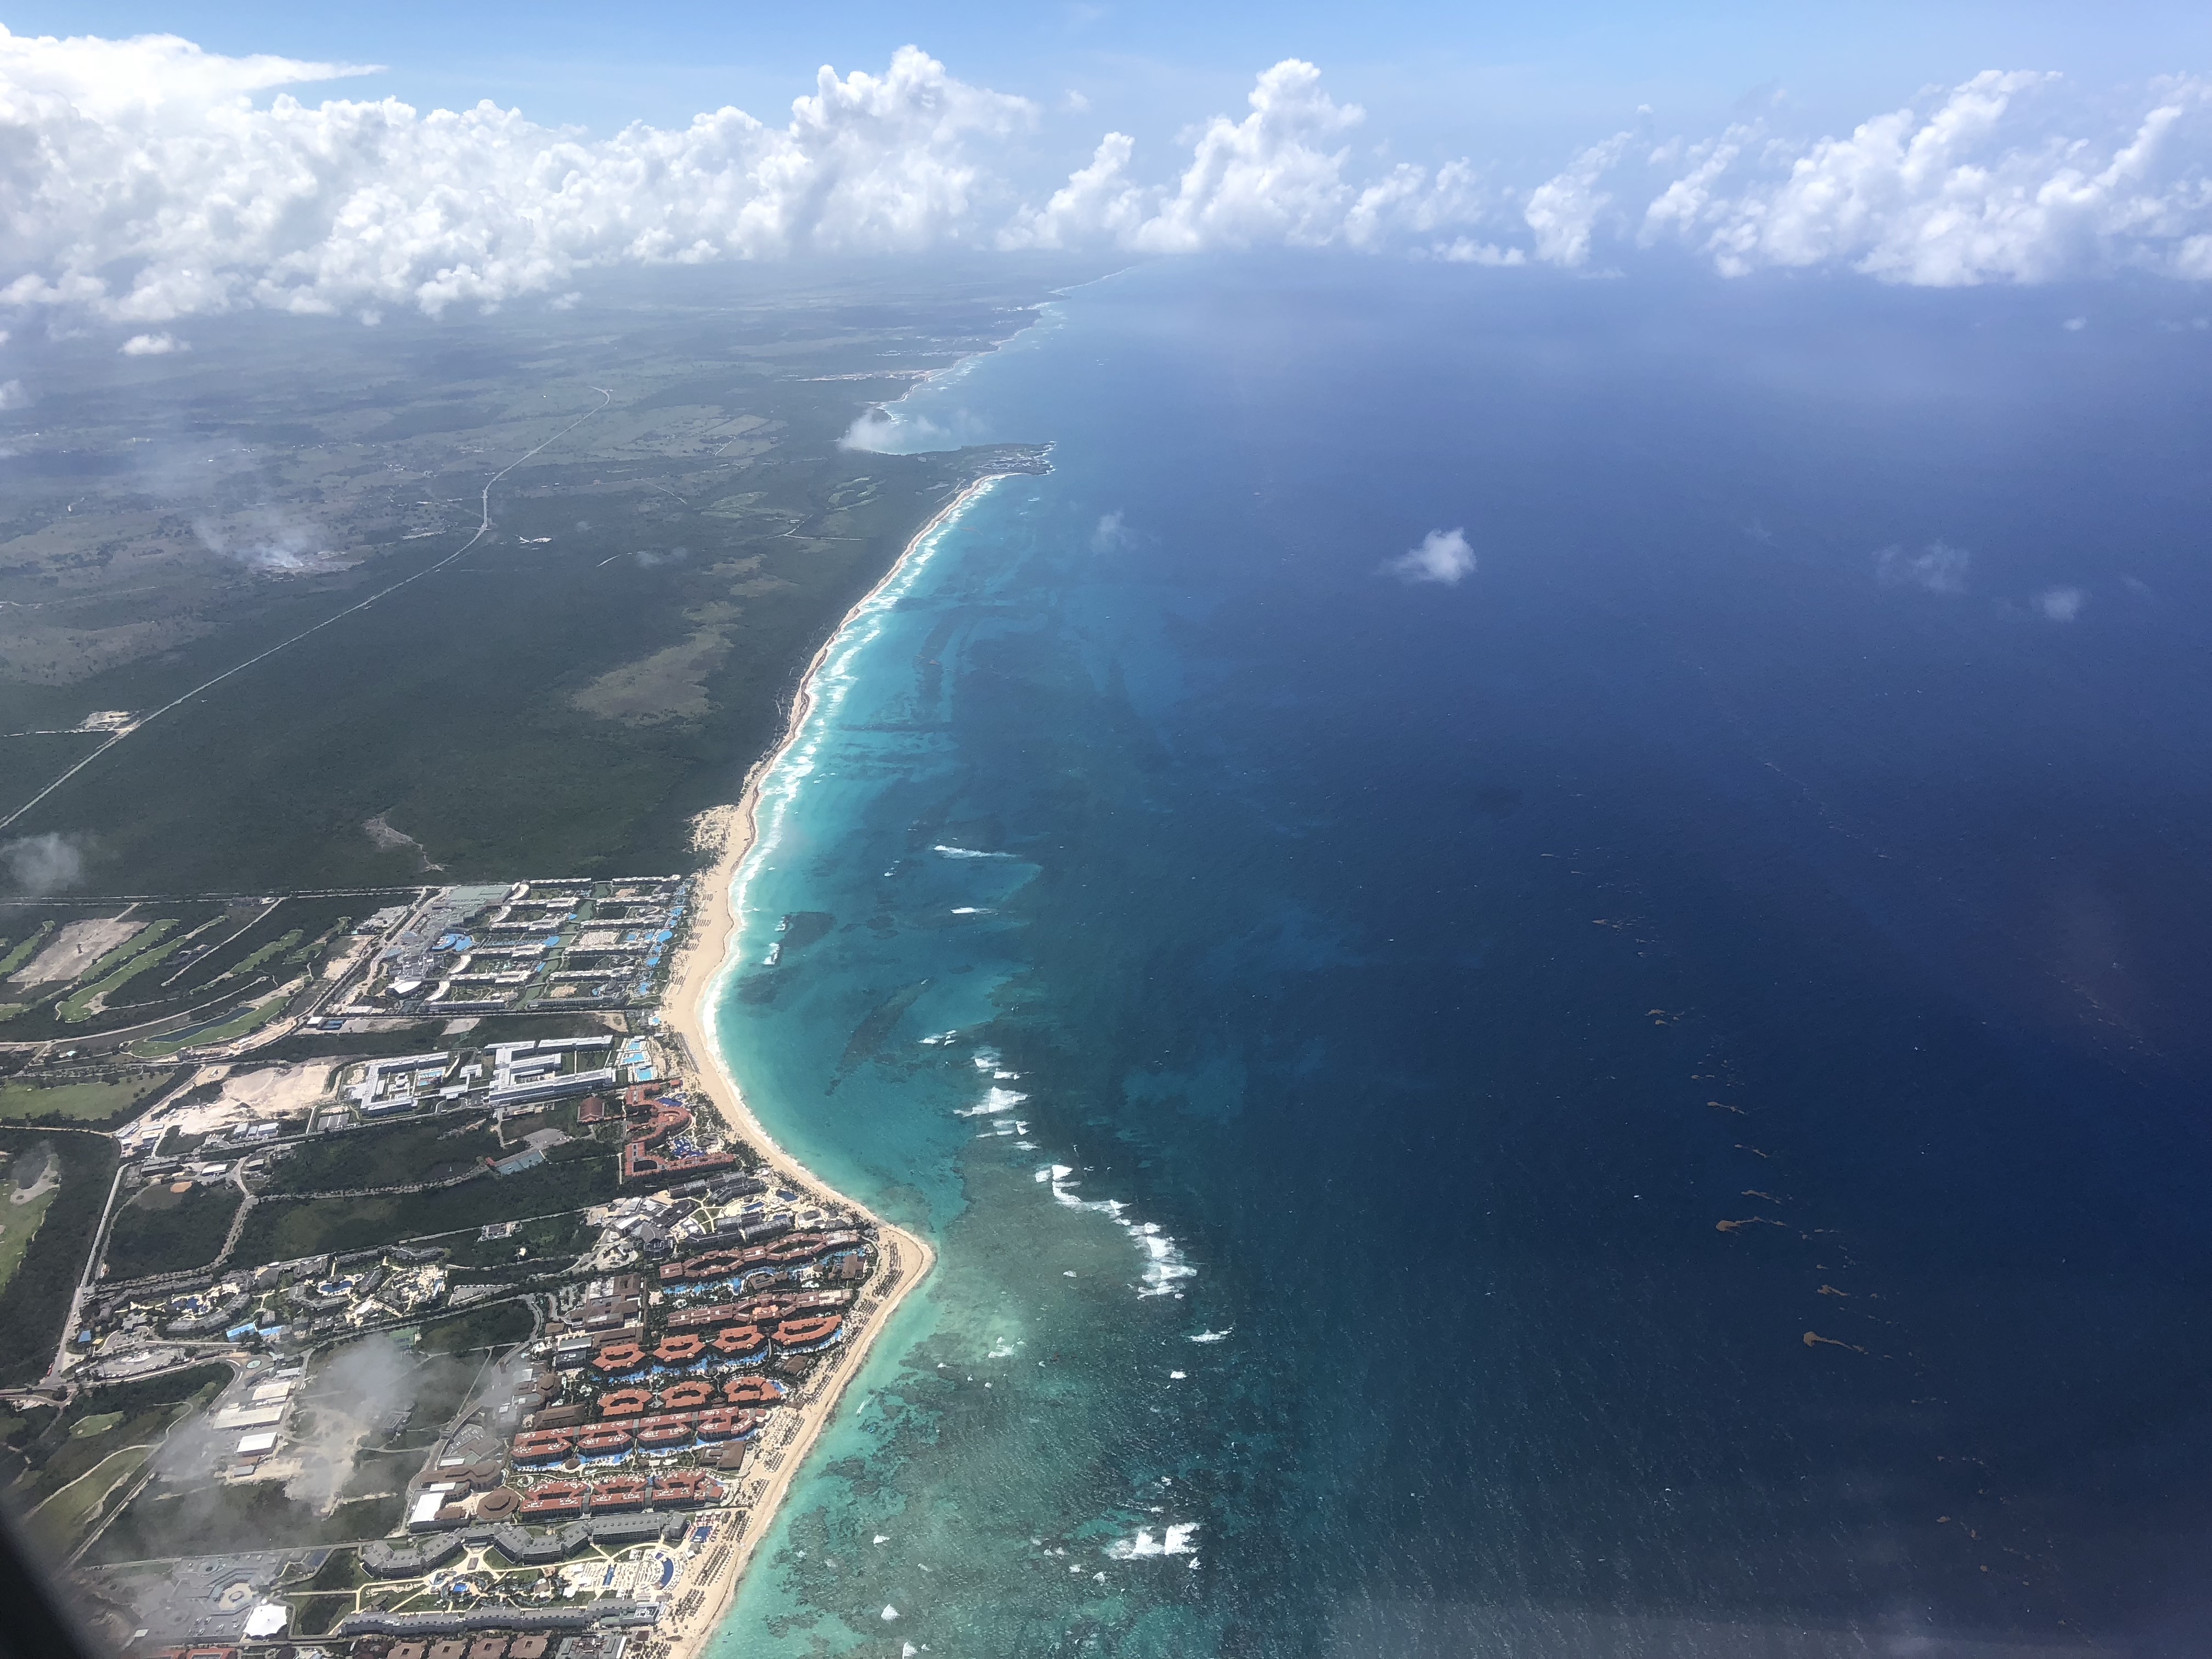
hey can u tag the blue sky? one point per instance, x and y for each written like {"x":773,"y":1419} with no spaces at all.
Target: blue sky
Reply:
{"x":1520,"y":80}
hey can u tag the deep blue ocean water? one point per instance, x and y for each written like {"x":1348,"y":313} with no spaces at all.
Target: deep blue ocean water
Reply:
{"x":1391,"y":989}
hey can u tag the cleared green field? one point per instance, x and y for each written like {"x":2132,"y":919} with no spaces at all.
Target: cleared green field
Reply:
{"x":144,"y":939}
{"x":59,"y":1523}
{"x":21,"y":953}
{"x":94,"y":1104}
{"x":261,"y":954}
{"x":77,"y":1006}
{"x":19,"y":1225}
{"x":80,"y":1461}
{"x":252,"y":1020}
{"x":36,"y":1300}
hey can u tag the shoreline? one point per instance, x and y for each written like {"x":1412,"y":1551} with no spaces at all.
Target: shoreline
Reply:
{"x":709,"y":959}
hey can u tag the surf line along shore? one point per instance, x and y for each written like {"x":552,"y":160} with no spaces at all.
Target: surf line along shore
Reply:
{"x":707,"y":963}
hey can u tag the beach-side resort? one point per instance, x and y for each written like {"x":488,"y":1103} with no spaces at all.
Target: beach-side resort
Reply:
{"x":444,"y":1315}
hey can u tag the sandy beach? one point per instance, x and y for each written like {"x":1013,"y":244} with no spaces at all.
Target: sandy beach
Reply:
{"x":906,"y":1259}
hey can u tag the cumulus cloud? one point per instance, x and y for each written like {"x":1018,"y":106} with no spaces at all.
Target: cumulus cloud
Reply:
{"x":143,"y":182}
{"x":1988,"y":185}
{"x":1562,"y":211}
{"x":12,"y":396}
{"x":44,"y":863}
{"x":1939,"y":567}
{"x":143,"y":185}
{"x":1269,"y":178}
{"x":883,"y":431}
{"x":1443,"y":557}
{"x":1279,"y":178}
{"x":1099,"y":202}
{"x":152,"y":345}
{"x":1111,"y":534}
{"x":2060,"y":605}
{"x":1465,"y":251}
{"x":357,"y":1390}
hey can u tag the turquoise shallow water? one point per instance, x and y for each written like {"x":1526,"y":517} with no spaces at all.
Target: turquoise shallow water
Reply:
{"x":1322,"y":1021}
{"x":890,"y":909}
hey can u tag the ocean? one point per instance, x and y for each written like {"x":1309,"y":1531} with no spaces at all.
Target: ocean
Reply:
{"x":1647,"y":1100}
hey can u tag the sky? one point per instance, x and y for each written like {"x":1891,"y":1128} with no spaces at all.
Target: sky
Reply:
{"x":1511,"y":75}
{"x":160,"y":161}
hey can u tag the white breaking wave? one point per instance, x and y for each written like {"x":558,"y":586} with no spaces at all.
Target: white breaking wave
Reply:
{"x":996,"y":1103}
{"x":1210,"y":1336}
{"x":1176,"y":1542}
{"x":966,"y":853}
{"x":1165,"y":1264}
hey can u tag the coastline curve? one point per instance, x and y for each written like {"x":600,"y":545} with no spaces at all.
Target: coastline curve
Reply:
{"x":701,"y":977}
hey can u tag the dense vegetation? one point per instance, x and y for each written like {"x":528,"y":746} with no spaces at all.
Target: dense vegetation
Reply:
{"x":546,"y":1242}
{"x":496,"y":1325}
{"x":282,"y":1228}
{"x":387,"y":1154}
{"x":160,"y":1231}
{"x":590,"y":691}
{"x":37,"y":1299}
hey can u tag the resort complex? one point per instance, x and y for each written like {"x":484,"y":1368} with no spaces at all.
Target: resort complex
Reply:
{"x":444,"y":1303}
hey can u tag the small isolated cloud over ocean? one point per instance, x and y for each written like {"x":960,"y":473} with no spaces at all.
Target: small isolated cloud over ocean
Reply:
{"x":152,"y":345}
{"x":1443,"y":557}
{"x":1939,"y":567}
{"x":2060,"y":605}
{"x":1111,"y":534}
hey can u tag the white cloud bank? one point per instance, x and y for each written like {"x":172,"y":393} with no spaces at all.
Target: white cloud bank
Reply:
{"x":140,"y":182}
{"x":1986,"y":187}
